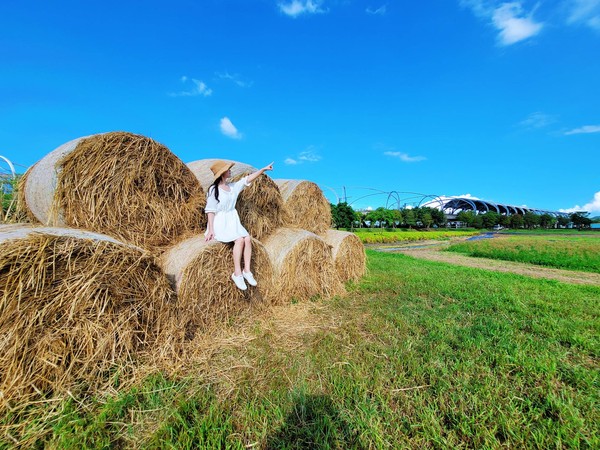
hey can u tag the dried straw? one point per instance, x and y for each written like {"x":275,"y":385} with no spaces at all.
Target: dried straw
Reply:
{"x":259,"y":205}
{"x":348,"y":254}
{"x":201,"y":273}
{"x":305,"y":205}
{"x":121,"y":184}
{"x":303,"y":265}
{"x":74,"y":306}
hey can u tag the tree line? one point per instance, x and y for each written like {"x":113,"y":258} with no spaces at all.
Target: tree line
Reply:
{"x":344,"y":216}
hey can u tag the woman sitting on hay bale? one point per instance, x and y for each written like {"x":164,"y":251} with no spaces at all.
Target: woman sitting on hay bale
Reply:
{"x":224,"y":222}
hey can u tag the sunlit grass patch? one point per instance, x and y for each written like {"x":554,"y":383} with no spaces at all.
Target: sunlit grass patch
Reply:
{"x":560,"y":251}
{"x":379,"y":236}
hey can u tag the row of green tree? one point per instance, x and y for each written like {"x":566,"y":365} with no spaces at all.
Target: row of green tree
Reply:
{"x":344,"y":216}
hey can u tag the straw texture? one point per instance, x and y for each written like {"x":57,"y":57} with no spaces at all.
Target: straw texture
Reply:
{"x":201,"y":274}
{"x":305,"y":205}
{"x":260,"y":205}
{"x":348,"y":254}
{"x":75,"y":305}
{"x":303,"y":265}
{"x":121,"y":184}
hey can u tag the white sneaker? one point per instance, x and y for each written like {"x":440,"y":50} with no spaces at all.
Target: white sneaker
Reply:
{"x":239,"y":281}
{"x":249,"y":278}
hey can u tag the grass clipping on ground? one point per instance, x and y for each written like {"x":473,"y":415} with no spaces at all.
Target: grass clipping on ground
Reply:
{"x":74,"y":307}
{"x":305,"y":206}
{"x":303,"y":265}
{"x":348,"y":254}
{"x":260,"y":205}
{"x":201,"y":273}
{"x":118,"y":183}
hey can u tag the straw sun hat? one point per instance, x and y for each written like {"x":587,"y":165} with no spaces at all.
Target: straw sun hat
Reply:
{"x":220,"y":167}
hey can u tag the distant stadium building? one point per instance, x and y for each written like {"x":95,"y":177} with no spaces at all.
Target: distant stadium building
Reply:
{"x":452,"y":206}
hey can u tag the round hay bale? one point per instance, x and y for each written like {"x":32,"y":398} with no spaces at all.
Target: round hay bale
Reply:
{"x":348,"y":254}
{"x":303,"y":265}
{"x":118,"y":183}
{"x":201,"y":274}
{"x":74,"y":306}
{"x":260,"y":205}
{"x":305,"y":205}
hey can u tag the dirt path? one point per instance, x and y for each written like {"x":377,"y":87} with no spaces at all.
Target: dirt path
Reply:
{"x":433,"y":253}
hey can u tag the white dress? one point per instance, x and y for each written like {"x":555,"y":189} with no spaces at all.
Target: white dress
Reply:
{"x":226,"y":226}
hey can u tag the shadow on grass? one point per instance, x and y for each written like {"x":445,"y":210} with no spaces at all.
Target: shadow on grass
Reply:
{"x":314,"y":423}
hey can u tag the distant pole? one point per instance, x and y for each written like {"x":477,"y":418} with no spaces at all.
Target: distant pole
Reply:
{"x":345,"y":197}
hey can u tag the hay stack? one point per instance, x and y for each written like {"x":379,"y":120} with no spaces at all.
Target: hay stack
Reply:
{"x":305,"y":205}
{"x":121,"y":184}
{"x":303,"y":265}
{"x":259,"y":205}
{"x":201,"y":273}
{"x":73,"y":306}
{"x":348,"y":254}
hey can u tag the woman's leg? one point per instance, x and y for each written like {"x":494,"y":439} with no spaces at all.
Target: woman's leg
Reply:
{"x":238,"y":248}
{"x":247,"y":253}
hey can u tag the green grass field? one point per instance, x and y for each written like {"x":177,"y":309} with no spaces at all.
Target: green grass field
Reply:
{"x":551,"y":231}
{"x":562,"y":251}
{"x":418,"y":355}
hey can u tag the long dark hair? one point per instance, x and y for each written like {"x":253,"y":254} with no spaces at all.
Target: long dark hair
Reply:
{"x":215,"y":187}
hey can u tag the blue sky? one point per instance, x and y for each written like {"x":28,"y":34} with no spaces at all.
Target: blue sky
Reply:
{"x":497,"y":100}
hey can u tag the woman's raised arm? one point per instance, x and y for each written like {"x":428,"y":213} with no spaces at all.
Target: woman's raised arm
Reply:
{"x":253,"y":175}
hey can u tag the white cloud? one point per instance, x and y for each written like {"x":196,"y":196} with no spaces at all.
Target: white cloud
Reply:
{"x":405,"y":157}
{"x":587,"y":129}
{"x":235,"y":78}
{"x":591,"y":207}
{"x":479,"y":7}
{"x":537,"y":120}
{"x":198,"y":88}
{"x":509,"y":19}
{"x":512,"y":27}
{"x":309,"y":155}
{"x":381,"y":11}
{"x":229,"y":129}
{"x":296,"y":8}
{"x":586,"y":12}
{"x":469,"y":196}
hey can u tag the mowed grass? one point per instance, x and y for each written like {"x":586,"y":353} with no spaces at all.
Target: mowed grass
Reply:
{"x":562,"y":251}
{"x":385,"y":236}
{"x":419,"y":355}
